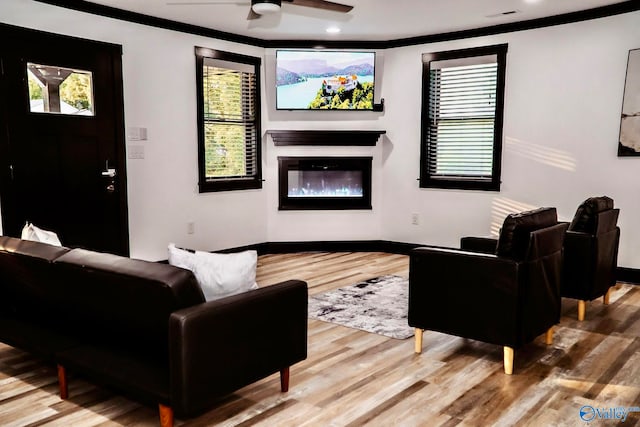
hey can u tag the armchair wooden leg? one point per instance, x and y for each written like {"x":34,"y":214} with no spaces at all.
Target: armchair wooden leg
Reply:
{"x":284,"y":379}
{"x":582,"y":306}
{"x":418,"y":336}
{"x":605,"y":298}
{"x":62,"y":382}
{"x":166,"y":416}
{"x":508,"y":360}
{"x":548,"y":338}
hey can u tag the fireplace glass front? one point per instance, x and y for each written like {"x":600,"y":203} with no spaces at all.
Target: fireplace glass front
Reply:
{"x":325,"y":182}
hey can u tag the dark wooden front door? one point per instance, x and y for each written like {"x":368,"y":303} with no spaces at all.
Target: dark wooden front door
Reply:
{"x":62,"y":165}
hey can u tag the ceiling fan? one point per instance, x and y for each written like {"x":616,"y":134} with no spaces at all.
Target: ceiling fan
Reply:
{"x":267,"y":7}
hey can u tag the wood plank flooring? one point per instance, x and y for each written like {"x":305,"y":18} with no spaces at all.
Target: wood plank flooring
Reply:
{"x":354,"y":378}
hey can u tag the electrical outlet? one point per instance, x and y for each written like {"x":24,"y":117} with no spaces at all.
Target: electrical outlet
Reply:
{"x":415,"y":218}
{"x":191,"y":227}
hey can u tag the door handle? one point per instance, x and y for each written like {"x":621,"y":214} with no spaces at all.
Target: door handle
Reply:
{"x":111,"y":173}
{"x":108,"y":172}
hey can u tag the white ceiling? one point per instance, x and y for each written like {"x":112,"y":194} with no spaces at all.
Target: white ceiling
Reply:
{"x":369,"y":19}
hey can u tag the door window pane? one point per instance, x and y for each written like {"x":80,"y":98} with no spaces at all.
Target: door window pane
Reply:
{"x":59,"y":90}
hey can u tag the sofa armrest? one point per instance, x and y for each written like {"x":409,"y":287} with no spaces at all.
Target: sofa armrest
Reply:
{"x":589,"y":263}
{"x":577,"y":270}
{"x":220,"y":346}
{"x":576,"y":241}
{"x":465,"y":293}
{"x":485,"y":245}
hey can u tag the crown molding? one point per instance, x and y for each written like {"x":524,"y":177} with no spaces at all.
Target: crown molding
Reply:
{"x":139,"y":18}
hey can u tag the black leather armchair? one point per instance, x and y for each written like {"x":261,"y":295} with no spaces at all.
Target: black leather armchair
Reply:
{"x":508,"y":297}
{"x":591,"y":252}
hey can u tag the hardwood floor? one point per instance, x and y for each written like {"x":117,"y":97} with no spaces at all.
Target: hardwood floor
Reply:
{"x":354,"y":378}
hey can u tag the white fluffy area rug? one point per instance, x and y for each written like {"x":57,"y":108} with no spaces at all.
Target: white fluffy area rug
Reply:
{"x":377,"y":305}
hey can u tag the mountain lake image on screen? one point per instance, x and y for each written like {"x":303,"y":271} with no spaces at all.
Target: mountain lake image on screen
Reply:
{"x":324,"y":80}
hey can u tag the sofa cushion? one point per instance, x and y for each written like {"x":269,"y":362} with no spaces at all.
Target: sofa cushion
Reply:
{"x":25,"y":273}
{"x":120,"y":300}
{"x":585,"y":219}
{"x":42,"y":251}
{"x":513,"y":241}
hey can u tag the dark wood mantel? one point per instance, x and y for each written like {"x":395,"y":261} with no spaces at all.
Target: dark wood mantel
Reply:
{"x":325,"y":137}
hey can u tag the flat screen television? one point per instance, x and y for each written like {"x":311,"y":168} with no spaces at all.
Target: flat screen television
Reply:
{"x":324,"y":80}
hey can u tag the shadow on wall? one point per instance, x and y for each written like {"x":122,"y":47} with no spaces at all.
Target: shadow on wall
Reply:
{"x":539,"y":153}
{"x":503,"y":206}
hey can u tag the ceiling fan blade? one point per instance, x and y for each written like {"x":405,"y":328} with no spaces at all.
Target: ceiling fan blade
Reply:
{"x":203,"y":3}
{"x":322,"y":4}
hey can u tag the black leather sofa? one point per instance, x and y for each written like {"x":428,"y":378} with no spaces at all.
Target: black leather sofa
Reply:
{"x":504,"y":292}
{"x":144,"y":328}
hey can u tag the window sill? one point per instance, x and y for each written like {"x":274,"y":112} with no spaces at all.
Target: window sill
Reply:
{"x":230,"y":185}
{"x":460,"y":184}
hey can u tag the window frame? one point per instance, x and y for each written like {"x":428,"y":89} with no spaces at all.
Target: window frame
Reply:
{"x":227,"y":183}
{"x":31,"y":76}
{"x":428,"y":180}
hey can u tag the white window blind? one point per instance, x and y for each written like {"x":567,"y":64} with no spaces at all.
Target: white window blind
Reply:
{"x":462,"y":108}
{"x":230,"y":120}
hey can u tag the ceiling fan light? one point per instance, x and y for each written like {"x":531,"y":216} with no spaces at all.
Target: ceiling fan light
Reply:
{"x":266,"y":7}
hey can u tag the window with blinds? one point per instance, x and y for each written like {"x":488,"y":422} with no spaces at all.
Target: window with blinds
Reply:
{"x":462,"y":118}
{"x":229,"y":121}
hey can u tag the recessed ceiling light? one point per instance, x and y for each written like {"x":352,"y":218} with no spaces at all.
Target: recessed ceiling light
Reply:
{"x":333,"y":30}
{"x":265,"y":7}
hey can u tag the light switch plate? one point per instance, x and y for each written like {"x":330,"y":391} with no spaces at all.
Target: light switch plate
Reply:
{"x":136,"y":134}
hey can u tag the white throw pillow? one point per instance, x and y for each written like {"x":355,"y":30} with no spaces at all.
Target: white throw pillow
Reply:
{"x":181,"y":258}
{"x":33,"y":233}
{"x":222,"y":275}
{"x":219,"y":275}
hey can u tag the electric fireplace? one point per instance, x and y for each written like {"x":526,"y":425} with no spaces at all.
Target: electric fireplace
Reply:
{"x":324,"y":183}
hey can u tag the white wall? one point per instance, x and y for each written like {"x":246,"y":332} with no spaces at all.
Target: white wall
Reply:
{"x":160,"y":95}
{"x":562,"y":114}
{"x":321,"y":225}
